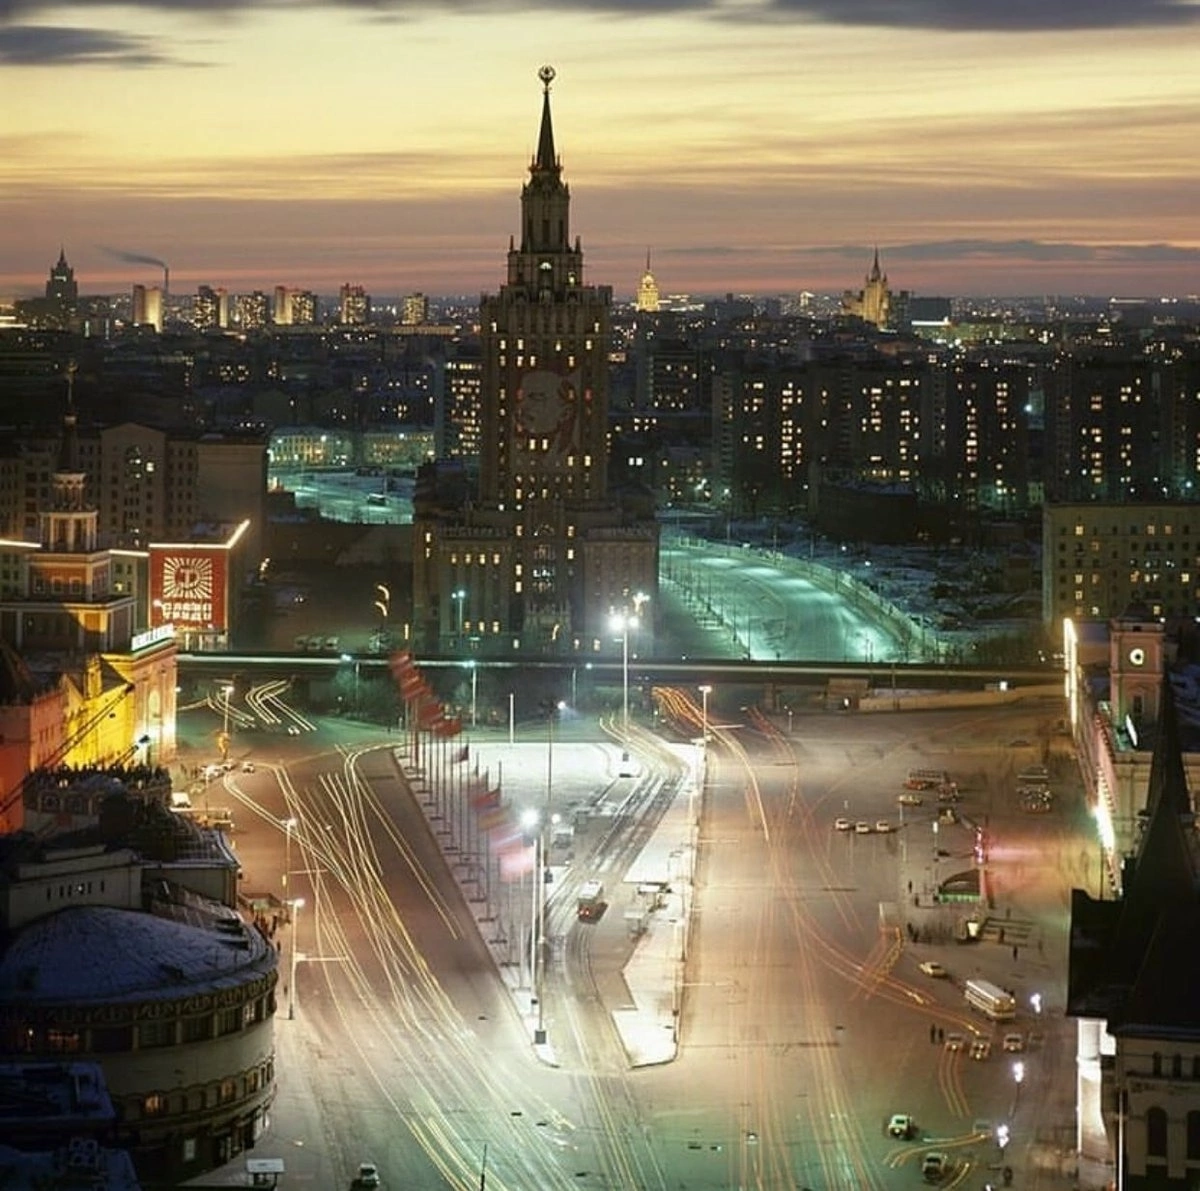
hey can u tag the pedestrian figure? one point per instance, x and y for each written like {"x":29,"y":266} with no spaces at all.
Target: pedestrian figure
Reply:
{"x":910,"y":887}
{"x":932,"y":1032}
{"x":1014,"y":953}
{"x":1002,"y":934}
{"x":941,"y":1034}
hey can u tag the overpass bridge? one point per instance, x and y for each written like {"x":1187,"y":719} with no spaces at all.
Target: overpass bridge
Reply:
{"x":664,"y":671}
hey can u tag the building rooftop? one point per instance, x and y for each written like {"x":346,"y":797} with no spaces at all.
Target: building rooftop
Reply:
{"x":100,"y":954}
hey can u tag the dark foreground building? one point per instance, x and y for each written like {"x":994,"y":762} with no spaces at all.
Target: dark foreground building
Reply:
{"x":1134,"y":983}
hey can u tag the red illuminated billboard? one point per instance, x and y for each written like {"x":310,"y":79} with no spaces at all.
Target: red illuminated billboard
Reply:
{"x":189,"y":587}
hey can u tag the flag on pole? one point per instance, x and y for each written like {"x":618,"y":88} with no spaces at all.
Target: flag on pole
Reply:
{"x":429,"y":713}
{"x":517,"y":861}
{"x":412,"y":686}
{"x":485,"y":799}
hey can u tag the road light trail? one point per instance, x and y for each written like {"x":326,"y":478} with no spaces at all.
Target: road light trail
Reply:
{"x":414,"y":1027}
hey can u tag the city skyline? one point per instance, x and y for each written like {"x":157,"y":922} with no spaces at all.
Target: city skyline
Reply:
{"x":766,"y":147}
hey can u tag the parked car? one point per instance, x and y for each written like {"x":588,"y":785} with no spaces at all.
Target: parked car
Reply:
{"x":1014,"y":1044}
{"x":862,"y":827}
{"x":932,"y":968}
{"x":247,"y":766}
{"x":955,"y":1042}
{"x":367,"y":1177}
{"x":883,"y":826}
{"x":901,"y":1125}
{"x":981,"y":1048}
{"x":935,"y":1166}
{"x":842,"y":825}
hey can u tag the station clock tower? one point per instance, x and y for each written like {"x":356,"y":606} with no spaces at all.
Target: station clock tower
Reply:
{"x":545,"y":555}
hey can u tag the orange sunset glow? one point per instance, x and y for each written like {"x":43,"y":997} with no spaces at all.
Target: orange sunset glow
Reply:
{"x":763,"y":146}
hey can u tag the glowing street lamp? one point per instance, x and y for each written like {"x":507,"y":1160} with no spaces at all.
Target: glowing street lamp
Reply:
{"x":705,"y":691}
{"x":622,"y":622}
{"x":461,"y":596}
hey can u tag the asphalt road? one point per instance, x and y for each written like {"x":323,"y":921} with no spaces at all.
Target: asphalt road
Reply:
{"x":805,"y":1024}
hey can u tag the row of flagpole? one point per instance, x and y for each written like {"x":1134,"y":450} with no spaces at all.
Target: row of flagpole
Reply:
{"x":466,"y":811}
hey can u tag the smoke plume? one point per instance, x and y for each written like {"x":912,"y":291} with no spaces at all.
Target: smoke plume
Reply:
{"x":134,"y":258}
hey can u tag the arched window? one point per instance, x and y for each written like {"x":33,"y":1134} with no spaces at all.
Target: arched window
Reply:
{"x":1193,"y":1136}
{"x":1156,"y":1133}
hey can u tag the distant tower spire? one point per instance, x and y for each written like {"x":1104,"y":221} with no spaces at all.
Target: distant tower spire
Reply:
{"x":68,"y":452}
{"x":647,"y":299}
{"x":546,"y":159}
{"x":876,"y":272}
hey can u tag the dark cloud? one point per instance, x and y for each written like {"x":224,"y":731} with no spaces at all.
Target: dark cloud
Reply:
{"x":13,"y":9}
{"x":1002,"y":16}
{"x":1025,"y":250}
{"x":46,"y":45}
{"x":1013,"y":16}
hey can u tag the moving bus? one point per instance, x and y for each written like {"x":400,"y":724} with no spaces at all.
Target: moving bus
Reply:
{"x":590,"y":903}
{"x":926,"y":779}
{"x":991,"y":1000}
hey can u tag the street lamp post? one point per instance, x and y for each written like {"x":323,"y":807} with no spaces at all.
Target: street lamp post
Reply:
{"x":623,"y":622}
{"x":539,"y":959}
{"x":226,"y":695}
{"x":552,"y":711}
{"x":297,"y":905}
{"x":347,"y":657}
{"x":474,"y":688}
{"x":705,"y":691}
{"x":625,"y":681}
{"x":529,"y":826}
{"x":461,"y":596}
{"x":289,"y":826}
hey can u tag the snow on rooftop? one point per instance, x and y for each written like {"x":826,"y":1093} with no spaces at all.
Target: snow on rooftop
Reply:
{"x":104,"y":954}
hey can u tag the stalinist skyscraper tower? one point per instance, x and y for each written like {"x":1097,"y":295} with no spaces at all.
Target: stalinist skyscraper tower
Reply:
{"x":544,"y":557}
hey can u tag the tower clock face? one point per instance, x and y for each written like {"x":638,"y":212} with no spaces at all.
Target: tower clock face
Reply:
{"x":1137,"y":656}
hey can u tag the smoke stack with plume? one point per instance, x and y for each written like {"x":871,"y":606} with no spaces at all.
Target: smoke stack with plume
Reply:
{"x":138,"y":258}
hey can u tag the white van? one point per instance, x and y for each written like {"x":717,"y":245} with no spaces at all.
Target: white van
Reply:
{"x":180,"y":801}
